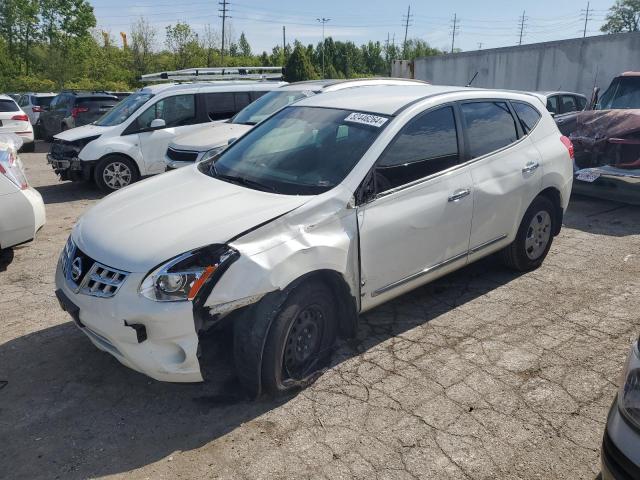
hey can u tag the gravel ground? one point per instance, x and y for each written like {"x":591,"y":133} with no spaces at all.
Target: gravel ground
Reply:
{"x":482,"y":374}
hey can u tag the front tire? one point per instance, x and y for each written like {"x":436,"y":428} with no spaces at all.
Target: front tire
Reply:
{"x":534,"y":238}
{"x":115,"y":172}
{"x":300,"y":340}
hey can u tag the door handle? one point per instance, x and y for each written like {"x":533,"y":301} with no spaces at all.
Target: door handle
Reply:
{"x":530,"y":167}
{"x":459,"y":194}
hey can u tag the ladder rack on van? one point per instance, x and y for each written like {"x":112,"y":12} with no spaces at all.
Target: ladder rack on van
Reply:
{"x":216,"y":73}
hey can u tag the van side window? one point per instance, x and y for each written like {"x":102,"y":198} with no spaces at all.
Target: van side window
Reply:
{"x":220,"y":106}
{"x":428,"y":144}
{"x":528,"y":116}
{"x":489,"y":126}
{"x":176,"y":111}
{"x":256,"y":95}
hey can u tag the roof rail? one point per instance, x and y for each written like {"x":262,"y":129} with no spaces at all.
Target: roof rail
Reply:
{"x":216,"y":73}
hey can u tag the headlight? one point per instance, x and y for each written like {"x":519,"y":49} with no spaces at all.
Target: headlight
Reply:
{"x":629,"y":393}
{"x":181,"y":278}
{"x":212,"y":153}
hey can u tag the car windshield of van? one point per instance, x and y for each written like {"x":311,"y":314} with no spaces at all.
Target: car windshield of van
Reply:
{"x":123,"y":110}
{"x":298,"y":151}
{"x":268,"y":104}
{"x":623,"y":93}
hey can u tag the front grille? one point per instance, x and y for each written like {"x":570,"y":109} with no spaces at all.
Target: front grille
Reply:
{"x":182,"y":155}
{"x":63,"y":150}
{"x":87,"y":276}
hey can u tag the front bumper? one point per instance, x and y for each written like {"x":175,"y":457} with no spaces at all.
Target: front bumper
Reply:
{"x":167,"y":348}
{"x":610,"y":183}
{"x":620,"y":448}
{"x":71,"y":169}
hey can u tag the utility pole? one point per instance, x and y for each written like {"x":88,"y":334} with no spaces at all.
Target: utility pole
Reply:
{"x":480,"y":45}
{"x":406,"y":19}
{"x":454,"y":30}
{"x":586,"y":19}
{"x":284,"y":45}
{"x":224,"y":17}
{"x":522,"y":20}
{"x":323,"y":21}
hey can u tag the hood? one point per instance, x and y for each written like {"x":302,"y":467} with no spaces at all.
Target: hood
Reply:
{"x":141,"y":226}
{"x":209,"y":136}
{"x":81,"y":132}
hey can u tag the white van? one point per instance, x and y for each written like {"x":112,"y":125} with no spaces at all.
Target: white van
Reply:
{"x":130,"y":140}
{"x":209,"y":140}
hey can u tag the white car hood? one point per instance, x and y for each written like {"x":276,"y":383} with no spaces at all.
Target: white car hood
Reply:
{"x":209,"y":136}
{"x":143,"y":225}
{"x":82,"y":132}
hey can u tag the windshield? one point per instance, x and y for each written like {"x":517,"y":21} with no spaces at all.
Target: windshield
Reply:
{"x":623,"y":93}
{"x":268,"y":104}
{"x":298,"y":151}
{"x":123,"y":110}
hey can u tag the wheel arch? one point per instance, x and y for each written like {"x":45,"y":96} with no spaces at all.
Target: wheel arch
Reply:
{"x":555,"y":197}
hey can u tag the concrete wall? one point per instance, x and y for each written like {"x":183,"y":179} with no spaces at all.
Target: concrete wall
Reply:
{"x":573,"y":65}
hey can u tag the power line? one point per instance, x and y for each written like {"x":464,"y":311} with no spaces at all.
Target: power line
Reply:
{"x":454,"y":30}
{"x":224,"y":17}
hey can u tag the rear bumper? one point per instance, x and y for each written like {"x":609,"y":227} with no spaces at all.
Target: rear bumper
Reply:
{"x":620,"y":454}
{"x":22,"y":215}
{"x":622,"y":185}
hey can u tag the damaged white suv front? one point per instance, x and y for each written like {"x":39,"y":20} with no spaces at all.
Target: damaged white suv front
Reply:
{"x":328,"y":208}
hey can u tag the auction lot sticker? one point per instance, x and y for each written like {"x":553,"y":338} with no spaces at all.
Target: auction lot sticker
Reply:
{"x":588,"y":176}
{"x":366,"y":119}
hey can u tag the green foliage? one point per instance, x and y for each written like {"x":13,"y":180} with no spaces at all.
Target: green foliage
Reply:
{"x":299,"y":66}
{"x":623,"y":16}
{"x":47,"y":45}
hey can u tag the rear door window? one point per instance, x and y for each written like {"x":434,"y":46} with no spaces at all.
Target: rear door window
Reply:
{"x":582,"y":103}
{"x":552,"y":104}
{"x":242,"y":99}
{"x":489,"y":126}
{"x":428,"y":144}
{"x":8,"y":106}
{"x":528,"y":116}
{"x":220,"y":106}
{"x":256,"y":95}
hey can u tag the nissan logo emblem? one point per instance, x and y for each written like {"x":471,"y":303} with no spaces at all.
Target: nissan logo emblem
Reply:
{"x":76,"y":269}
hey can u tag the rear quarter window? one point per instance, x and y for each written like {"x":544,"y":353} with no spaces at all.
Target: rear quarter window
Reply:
{"x":8,"y":106}
{"x":489,"y":126}
{"x":527,"y":115}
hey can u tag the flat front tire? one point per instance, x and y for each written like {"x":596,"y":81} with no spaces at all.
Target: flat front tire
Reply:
{"x":534,"y":238}
{"x":301,"y":339}
{"x":115,"y":172}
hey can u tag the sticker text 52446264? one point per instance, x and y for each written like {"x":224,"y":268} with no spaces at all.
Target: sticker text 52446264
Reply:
{"x":366,"y":119}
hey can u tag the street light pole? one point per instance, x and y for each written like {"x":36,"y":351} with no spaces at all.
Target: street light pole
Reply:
{"x":323,"y":21}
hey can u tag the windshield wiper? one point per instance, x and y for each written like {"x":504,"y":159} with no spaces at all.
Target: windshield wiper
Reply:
{"x":242,"y":181}
{"x":247,"y":123}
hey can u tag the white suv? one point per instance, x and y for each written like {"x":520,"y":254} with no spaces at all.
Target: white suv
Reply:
{"x":209,"y":140}
{"x":328,"y":208}
{"x":131,"y":139}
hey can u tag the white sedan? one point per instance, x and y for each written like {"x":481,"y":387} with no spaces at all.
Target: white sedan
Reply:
{"x":14,"y":120}
{"x":22,"y":211}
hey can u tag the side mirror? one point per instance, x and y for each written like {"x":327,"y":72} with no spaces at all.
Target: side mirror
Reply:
{"x":231,"y":140}
{"x":594,"y":98}
{"x":157,"y":123}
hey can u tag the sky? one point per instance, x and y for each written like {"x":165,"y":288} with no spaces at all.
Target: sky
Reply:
{"x":480,"y":24}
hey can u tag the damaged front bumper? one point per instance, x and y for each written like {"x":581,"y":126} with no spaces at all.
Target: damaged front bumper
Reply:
{"x":157,"y":339}
{"x":63,"y":158}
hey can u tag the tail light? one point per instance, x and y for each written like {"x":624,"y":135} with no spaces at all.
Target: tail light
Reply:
{"x":37,"y":109}
{"x":11,"y":168}
{"x":21,"y":117}
{"x":567,"y":143}
{"x":76,"y":110}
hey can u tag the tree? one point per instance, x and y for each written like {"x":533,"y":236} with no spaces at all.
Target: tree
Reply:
{"x":299,"y":66}
{"x":143,"y":40}
{"x":623,"y":16}
{"x":243,"y":45}
{"x":183,"y":43}
{"x":210,"y":41}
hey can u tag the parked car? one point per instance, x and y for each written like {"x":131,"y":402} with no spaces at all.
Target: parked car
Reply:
{"x":563,"y":105}
{"x":131,"y":140}
{"x":621,"y":442}
{"x":34,"y":104}
{"x":15,"y":96}
{"x":120,"y":95}
{"x":607,"y":142}
{"x":210,"y":139}
{"x":14,"y":120}
{"x":22,"y":211}
{"x":71,"y":109}
{"x":328,"y":208}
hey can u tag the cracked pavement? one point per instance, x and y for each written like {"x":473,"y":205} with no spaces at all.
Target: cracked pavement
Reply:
{"x":483,"y":374}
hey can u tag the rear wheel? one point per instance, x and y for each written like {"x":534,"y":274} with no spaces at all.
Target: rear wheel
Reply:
{"x":29,"y":147}
{"x":115,"y":172}
{"x":300,"y":339}
{"x":534,"y":237}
